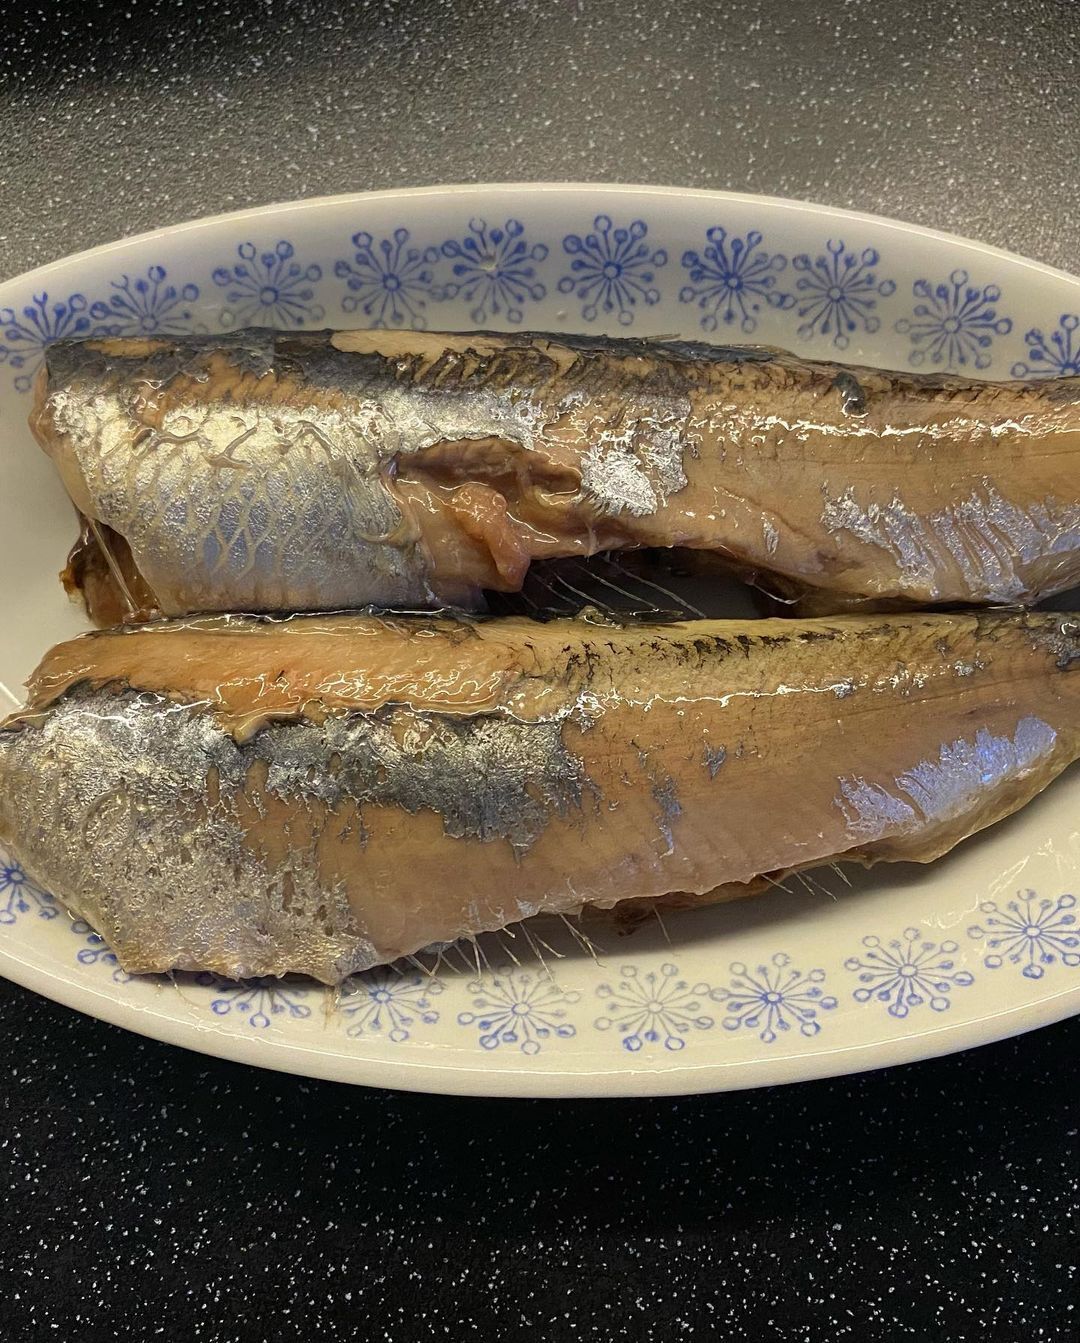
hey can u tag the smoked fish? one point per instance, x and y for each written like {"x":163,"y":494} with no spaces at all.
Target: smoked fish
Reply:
{"x":268,"y":471}
{"x":322,"y":794}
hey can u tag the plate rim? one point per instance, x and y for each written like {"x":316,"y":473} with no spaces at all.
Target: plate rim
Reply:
{"x":432,"y":1077}
{"x":322,"y":1059}
{"x":305,"y":203}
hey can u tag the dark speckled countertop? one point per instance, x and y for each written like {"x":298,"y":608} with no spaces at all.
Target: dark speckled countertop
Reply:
{"x":150,"y":1193}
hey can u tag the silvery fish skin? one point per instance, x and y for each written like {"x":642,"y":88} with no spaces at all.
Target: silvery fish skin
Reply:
{"x":323,"y":794}
{"x":265,"y":471}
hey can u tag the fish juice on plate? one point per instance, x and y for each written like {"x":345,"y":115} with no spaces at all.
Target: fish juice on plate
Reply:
{"x":265,"y":471}
{"x":323,"y":794}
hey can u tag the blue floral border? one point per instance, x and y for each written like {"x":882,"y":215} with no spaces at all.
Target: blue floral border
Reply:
{"x":836,"y":293}
{"x":521,"y":1010}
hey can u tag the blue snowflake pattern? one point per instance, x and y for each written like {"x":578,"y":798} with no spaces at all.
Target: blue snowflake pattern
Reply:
{"x":1030,"y":932}
{"x":519,"y":1008}
{"x":956,"y":323}
{"x":256,"y":999}
{"x":147,"y":305}
{"x":656,"y":1007}
{"x":19,"y":895}
{"x":25,"y":332}
{"x":494,"y":270}
{"x":1056,"y":356}
{"x":269,"y":288}
{"x":907,"y":972}
{"x":772,"y":998}
{"x":837,"y":293}
{"x":390,"y":282}
{"x":731,"y":279}
{"x":614,"y":269}
{"x":387,"y":1002}
{"x":97,"y":951}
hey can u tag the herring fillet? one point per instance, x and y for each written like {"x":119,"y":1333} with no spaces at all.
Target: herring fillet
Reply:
{"x":269,"y":471}
{"x":324,"y":794}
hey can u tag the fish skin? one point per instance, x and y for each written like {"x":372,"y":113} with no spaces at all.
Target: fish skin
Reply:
{"x":319,"y":795}
{"x":266,"y":471}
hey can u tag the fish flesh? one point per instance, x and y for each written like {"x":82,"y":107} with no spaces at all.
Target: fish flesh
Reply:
{"x":270,"y":471}
{"x":322,"y":794}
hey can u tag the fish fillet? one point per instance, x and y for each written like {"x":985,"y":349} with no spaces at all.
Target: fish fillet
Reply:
{"x":324,"y":794}
{"x":265,"y":471}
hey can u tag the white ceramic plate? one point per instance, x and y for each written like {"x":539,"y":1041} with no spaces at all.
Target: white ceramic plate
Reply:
{"x":908,"y":963}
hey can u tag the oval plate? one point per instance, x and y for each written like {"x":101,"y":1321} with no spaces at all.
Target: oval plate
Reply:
{"x":905,"y":963}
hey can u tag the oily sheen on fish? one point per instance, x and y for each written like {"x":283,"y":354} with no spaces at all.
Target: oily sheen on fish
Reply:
{"x":323,"y":794}
{"x":265,"y":471}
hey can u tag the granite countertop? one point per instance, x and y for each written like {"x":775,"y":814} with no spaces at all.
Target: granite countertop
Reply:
{"x":162,"y":1194}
